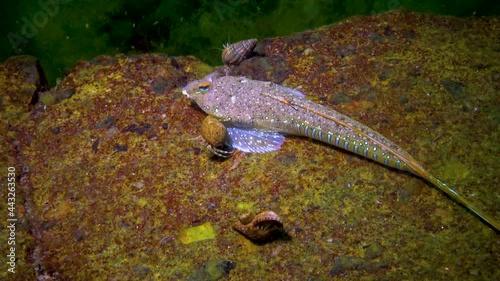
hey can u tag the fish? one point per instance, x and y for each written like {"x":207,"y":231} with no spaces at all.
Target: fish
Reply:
{"x":259,"y":114}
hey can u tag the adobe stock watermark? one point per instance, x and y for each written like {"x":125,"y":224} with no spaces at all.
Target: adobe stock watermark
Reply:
{"x":31,"y":26}
{"x":226,"y":6}
{"x":391,"y":5}
{"x":11,"y":219}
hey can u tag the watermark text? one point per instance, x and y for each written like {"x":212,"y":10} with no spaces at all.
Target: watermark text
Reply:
{"x":32,"y":25}
{"x":11,"y":219}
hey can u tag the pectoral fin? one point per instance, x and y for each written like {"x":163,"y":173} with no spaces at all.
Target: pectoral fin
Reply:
{"x":251,"y":140}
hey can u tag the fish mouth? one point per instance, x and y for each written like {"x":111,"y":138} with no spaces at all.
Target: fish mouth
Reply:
{"x":184,"y":92}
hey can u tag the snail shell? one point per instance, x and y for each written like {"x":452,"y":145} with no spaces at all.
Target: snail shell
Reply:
{"x":213,"y":131}
{"x":263,"y":227}
{"x":247,"y":217}
{"x":235,"y":53}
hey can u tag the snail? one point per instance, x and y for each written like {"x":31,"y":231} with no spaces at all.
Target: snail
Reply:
{"x":215,"y":134}
{"x":263,"y":227}
{"x":234,"y":54}
{"x":213,"y":131}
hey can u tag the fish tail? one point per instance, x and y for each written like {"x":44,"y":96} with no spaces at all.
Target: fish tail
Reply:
{"x":418,"y":170}
{"x":457,"y":197}
{"x":402,"y":159}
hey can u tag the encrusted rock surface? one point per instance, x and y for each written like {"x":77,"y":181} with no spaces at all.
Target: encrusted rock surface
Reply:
{"x":110,"y":172}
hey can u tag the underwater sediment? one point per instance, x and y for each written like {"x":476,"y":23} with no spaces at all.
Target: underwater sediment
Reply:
{"x":113,"y":184}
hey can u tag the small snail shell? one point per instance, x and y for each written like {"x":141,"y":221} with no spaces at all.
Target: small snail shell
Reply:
{"x":213,"y":131}
{"x":263,"y":227}
{"x":247,"y":217}
{"x":235,"y":53}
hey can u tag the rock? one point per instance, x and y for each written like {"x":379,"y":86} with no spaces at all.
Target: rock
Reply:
{"x":456,"y":89}
{"x":22,"y":80}
{"x":71,"y":176}
{"x":212,"y":270}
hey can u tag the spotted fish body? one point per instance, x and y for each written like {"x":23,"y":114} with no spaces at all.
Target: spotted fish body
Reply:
{"x":258,"y":114}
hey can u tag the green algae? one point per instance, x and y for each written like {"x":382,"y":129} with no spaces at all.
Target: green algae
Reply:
{"x":180,"y":27}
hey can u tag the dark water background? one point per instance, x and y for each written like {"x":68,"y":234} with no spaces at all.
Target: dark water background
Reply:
{"x":62,"y":32}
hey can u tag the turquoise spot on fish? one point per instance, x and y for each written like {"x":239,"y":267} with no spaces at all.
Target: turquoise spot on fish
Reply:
{"x":346,"y":145}
{"x":337,"y":141}
{"x":306,"y":130}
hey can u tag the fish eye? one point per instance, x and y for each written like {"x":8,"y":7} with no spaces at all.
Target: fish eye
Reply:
{"x":204,"y":87}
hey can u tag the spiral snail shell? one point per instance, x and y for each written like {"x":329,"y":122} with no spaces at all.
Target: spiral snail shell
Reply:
{"x":234,"y":54}
{"x":213,"y":131}
{"x":215,"y":134}
{"x":262,"y":227}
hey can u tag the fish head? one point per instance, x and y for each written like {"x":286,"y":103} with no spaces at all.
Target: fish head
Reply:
{"x":202,"y":91}
{"x":196,"y":89}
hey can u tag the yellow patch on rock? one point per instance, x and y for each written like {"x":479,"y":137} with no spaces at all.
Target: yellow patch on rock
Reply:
{"x":197,"y":233}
